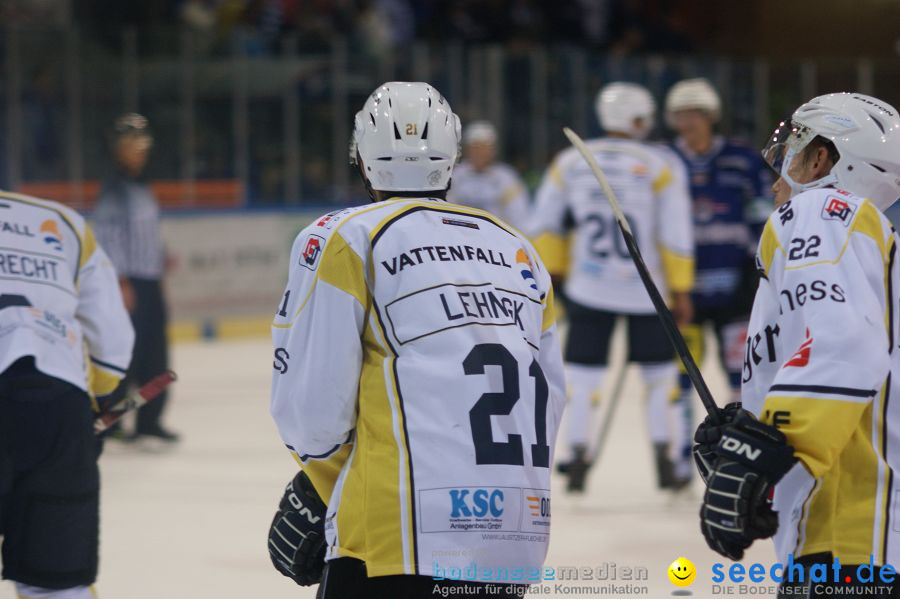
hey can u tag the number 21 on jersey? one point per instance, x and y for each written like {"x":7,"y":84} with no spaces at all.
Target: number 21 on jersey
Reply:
{"x":509,"y":452}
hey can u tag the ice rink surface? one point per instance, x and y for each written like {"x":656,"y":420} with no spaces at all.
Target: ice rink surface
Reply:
{"x":190,"y":522}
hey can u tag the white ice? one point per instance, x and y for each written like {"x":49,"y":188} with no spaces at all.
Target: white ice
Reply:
{"x":191,"y":522}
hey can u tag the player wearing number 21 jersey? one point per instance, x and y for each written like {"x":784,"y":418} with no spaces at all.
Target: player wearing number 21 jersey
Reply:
{"x":418,"y":377}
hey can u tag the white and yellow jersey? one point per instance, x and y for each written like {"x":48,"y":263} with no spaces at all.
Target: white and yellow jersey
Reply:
{"x":418,"y":378}
{"x":822,"y":365}
{"x":59,"y":296}
{"x":576,"y":232}
{"x":497,"y":189}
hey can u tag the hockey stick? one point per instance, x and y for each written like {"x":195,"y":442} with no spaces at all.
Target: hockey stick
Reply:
{"x":132,"y":401}
{"x":661,"y":309}
{"x":615,"y":396}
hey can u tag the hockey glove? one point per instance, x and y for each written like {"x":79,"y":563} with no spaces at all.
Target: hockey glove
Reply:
{"x":707,"y":437}
{"x":297,"y":533}
{"x":751,"y":458}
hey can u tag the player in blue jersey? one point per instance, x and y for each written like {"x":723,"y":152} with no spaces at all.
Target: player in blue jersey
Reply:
{"x":731,"y":195}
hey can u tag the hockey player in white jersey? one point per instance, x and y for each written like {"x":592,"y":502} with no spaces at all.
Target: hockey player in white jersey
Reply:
{"x":482,"y":182}
{"x":576,"y":233}
{"x":65,"y":339}
{"x":417,"y":378}
{"x":821,"y":369}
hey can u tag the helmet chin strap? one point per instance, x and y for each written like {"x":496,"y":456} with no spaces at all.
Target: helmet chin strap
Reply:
{"x":829,"y":180}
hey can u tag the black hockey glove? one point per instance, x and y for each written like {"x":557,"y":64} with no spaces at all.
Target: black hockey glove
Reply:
{"x":707,"y":436}
{"x":751,"y":458}
{"x":297,"y":533}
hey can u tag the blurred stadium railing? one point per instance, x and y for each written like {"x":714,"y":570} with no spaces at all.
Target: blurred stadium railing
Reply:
{"x":236,"y":127}
{"x":253,"y":131}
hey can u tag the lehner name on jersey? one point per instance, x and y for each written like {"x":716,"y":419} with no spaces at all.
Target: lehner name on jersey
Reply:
{"x":411,"y":316}
{"x":443,"y":253}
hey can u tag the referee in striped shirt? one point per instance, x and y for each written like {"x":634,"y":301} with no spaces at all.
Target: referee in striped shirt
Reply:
{"x":126,"y":224}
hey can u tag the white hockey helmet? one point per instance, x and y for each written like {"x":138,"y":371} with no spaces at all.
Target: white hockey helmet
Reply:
{"x":619,"y":104}
{"x":407,"y":138}
{"x":865,"y":132}
{"x":693,"y":94}
{"x":481,"y":132}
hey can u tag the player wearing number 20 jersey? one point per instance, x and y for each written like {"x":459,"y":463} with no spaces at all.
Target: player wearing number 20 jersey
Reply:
{"x":599,"y":270}
{"x":576,"y":232}
{"x":418,"y":377}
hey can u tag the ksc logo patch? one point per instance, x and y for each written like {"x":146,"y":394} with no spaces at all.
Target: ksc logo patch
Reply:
{"x":838,"y":209}
{"x":481,"y":503}
{"x":312,"y":251}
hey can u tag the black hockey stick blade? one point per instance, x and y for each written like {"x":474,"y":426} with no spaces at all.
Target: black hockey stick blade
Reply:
{"x":662,"y":310}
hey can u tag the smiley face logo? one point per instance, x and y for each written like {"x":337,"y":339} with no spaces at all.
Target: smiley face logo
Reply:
{"x":682,"y":572}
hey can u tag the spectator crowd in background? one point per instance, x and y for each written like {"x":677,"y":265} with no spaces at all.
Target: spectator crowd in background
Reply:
{"x":381,"y":25}
{"x":258,"y":92}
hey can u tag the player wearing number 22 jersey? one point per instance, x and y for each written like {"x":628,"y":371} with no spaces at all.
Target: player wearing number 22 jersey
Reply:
{"x":418,"y":379}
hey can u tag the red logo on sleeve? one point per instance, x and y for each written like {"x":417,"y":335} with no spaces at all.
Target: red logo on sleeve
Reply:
{"x":801,"y":357}
{"x":838,"y":209}
{"x":310,"y":256}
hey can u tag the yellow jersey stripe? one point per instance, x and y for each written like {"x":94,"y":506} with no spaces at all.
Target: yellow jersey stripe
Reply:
{"x":663,"y":180}
{"x":555,"y":175}
{"x":768,"y":244}
{"x":856,"y":481}
{"x":342,"y":267}
{"x":868,"y":222}
{"x":678,"y":270}
{"x":102,"y":381}
{"x":89,"y":246}
{"x":402,"y":438}
{"x":509,"y":194}
{"x":323,"y":473}
{"x":806,"y":509}
{"x":826,"y":438}
{"x":549,"y":314}
{"x":554,"y":252}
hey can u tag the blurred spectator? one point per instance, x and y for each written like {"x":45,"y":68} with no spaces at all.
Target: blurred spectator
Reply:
{"x":199,"y":14}
{"x":127,"y":226}
{"x":386,"y":25}
{"x":34,"y":13}
{"x":482,"y":182}
{"x":644,"y":26}
{"x":44,"y":120}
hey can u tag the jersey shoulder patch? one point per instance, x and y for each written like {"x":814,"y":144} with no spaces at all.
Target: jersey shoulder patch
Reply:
{"x":817,"y":209}
{"x":329,"y":221}
{"x":311,"y":241}
{"x":840,"y":206}
{"x":814,"y":227}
